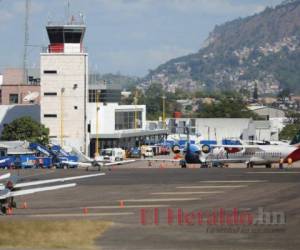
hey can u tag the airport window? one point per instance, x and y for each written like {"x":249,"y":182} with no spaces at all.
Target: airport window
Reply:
{"x":2,"y":152}
{"x":50,"y":71}
{"x":50,"y":115}
{"x":106,"y":95}
{"x":50,"y":94}
{"x":13,"y":98}
{"x":93,"y":95}
{"x":126,"y":120}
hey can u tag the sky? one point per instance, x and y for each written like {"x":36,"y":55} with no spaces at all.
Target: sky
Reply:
{"x":123,"y":36}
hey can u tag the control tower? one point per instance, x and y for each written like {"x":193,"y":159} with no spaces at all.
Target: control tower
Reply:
{"x":66,"y":38}
{"x":64,"y":83}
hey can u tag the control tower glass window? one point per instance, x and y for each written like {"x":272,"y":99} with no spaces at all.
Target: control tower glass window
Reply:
{"x":62,"y":34}
{"x":55,"y":35}
{"x":72,"y":36}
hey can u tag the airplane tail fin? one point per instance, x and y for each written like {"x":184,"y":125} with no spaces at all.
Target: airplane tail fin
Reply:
{"x":296,"y":139}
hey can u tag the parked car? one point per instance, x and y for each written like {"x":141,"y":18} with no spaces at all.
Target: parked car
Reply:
{"x":135,"y":153}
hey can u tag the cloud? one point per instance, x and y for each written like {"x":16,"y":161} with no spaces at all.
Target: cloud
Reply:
{"x":213,"y":7}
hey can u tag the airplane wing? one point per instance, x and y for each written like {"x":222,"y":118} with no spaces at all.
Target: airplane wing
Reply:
{"x":74,"y":163}
{"x":34,"y":190}
{"x":225,"y":160}
{"x":243,"y":146}
{"x":163,"y":160}
{"x":116,"y":163}
{"x":5,"y":176}
{"x":35,"y":183}
{"x":101,"y":163}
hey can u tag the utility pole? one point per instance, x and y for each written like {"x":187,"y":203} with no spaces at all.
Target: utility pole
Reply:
{"x":135,"y":109}
{"x":62,"y":91}
{"x":97,"y":123}
{"x":164,"y":111}
{"x":68,"y":12}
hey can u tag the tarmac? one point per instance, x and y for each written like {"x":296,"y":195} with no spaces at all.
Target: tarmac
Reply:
{"x":165,"y":207}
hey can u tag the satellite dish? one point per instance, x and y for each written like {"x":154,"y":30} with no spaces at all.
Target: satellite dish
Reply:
{"x":31,"y":96}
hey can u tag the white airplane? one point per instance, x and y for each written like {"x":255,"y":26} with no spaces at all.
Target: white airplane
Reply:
{"x":254,"y":154}
{"x":249,"y":154}
{"x":12,"y":188}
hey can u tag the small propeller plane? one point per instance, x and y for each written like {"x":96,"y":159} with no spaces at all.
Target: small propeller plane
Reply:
{"x":11,"y":188}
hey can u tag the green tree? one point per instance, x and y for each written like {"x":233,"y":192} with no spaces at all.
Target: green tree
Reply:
{"x":25,"y":128}
{"x":283,"y":94}
{"x":226,"y":107}
{"x":289,"y":131}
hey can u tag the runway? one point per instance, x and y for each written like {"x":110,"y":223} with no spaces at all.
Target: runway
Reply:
{"x":140,"y":202}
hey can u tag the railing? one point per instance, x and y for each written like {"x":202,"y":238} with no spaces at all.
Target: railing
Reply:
{"x":61,"y":49}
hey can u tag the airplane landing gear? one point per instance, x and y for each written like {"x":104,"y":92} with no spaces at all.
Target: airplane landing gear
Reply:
{"x":182,"y":164}
{"x":12,"y":203}
{"x":3,"y":210}
{"x":268,"y":165}
{"x":249,"y":165}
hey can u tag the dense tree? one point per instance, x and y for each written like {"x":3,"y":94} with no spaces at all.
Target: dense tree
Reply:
{"x":25,"y":128}
{"x":226,"y":107}
{"x":284,"y":93}
{"x":289,"y":131}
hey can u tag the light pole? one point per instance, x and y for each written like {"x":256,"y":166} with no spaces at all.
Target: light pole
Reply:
{"x":135,"y":108}
{"x":62,"y":91}
{"x":97,"y":123}
{"x":164,"y":111}
{"x":208,"y":132}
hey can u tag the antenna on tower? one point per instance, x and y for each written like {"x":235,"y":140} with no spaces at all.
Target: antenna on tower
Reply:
{"x":68,"y":11}
{"x":26,"y":39}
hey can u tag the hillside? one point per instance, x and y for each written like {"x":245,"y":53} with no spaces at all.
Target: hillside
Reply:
{"x":262,"y":49}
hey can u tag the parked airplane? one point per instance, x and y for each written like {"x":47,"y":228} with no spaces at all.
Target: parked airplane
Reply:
{"x":12,"y":188}
{"x":249,"y":154}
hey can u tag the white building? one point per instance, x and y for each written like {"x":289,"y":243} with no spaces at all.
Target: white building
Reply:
{"x":64,"y":80}
{"x":267,"y":112}
{"x":224,"y":128}
{"x":119,"y":126}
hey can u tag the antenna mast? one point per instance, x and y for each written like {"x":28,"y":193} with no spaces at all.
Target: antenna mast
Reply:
{"x":68,"y":11}
{"x":26,"y":39}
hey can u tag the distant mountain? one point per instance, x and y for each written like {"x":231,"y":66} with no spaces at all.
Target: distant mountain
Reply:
{"x":262,"y":50}
{"x":118,"y":80}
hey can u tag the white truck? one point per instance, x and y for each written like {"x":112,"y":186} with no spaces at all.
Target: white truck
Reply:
{"x":147,"y":151}
{"x":112,"y":154}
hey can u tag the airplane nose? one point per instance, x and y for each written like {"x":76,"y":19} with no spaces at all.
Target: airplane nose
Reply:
{"x":176,"y":149}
